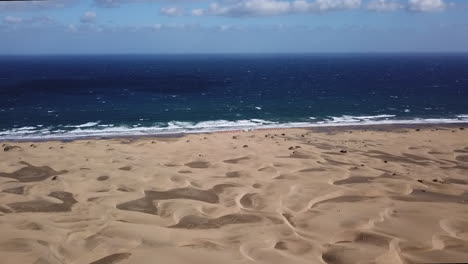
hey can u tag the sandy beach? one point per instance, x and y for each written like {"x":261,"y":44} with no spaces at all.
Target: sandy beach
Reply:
{"x":338,"y":195}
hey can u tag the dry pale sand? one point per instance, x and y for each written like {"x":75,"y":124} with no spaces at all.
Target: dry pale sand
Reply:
{"x":282,"y":196}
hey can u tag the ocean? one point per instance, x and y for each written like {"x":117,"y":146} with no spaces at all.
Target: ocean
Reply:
{"x":65,"y":97}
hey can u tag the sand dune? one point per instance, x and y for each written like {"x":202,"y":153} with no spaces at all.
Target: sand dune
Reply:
{"x":385,"y":195}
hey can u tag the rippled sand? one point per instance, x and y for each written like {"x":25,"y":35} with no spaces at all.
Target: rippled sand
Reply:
{"x":394,"y":195}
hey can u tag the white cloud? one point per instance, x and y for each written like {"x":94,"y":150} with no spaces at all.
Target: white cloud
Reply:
{"x":35,"y":5}
{"x":117,"y":3}
{"x":108,"y":3}
{"x":251,"y":7}
{"x":85,"y":27}
{"x":156,"y":26}
{"x":241,"y":8}
{"x":72,"y":28}
{"x":172,"y":11}
{"x":12,"y":20}
{"x":275,"y":7}
{"x":198,"y":12}
{"x":33,"y":21}
{"x":426,"y":5}
{"x":383,"y":5}
{"x":88,"y":17}
{"x":326,"y":5}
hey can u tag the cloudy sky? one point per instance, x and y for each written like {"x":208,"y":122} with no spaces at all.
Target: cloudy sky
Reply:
{"x":225,"y":26}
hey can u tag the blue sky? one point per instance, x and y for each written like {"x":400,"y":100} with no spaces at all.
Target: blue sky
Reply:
{"x":231,"y":26}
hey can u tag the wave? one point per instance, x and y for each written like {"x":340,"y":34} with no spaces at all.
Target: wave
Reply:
{"x":95,"y":129}
{"x":89,"y":124}
{"x":356,"y":119}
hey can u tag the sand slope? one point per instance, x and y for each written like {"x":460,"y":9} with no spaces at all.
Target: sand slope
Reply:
{"x":283,"y":196}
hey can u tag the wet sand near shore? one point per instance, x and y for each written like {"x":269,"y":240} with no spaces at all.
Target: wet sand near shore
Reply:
{"x":328,"y":195}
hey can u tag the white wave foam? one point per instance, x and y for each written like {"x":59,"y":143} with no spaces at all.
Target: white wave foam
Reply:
{"x":175,"y":127}
{"x":261,"y":121}
{"x":354,"y":119}
{"x":25,"y":128}
{"x":89,"y":124}
{"x":21,"y":133}
{"x":176,"y":124}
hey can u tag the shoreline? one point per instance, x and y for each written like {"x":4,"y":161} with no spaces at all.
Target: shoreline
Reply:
{"x":325,"y":127}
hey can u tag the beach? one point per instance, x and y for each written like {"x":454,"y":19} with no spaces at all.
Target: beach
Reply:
{"x":383,"y":194}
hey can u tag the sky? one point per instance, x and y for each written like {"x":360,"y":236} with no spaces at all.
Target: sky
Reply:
{"x":232,"y":26}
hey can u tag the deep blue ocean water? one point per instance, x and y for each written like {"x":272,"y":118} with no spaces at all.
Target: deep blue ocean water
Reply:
{"x":73,"y":96}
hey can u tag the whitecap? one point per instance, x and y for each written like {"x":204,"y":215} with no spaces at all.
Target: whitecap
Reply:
{"x":89,"y":124}
{"x":91,"y":130}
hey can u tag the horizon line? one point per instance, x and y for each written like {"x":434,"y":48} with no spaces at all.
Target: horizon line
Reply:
{"x":240,"y":53}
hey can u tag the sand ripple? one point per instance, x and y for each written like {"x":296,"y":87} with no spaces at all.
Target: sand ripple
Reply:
{"x":283,"y":196}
